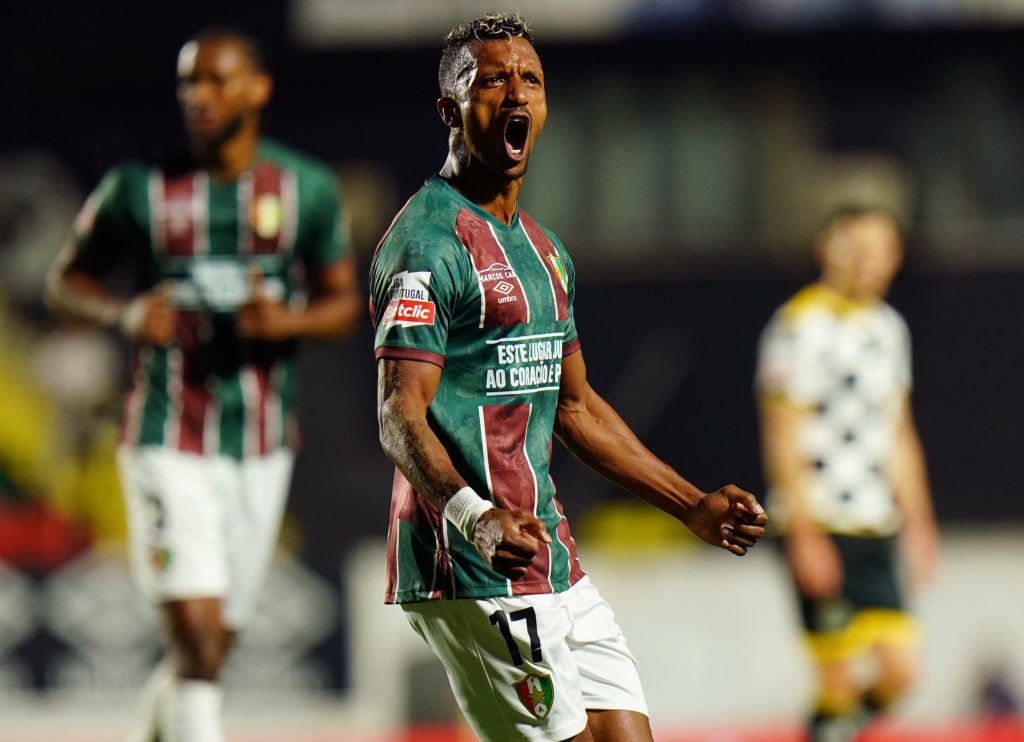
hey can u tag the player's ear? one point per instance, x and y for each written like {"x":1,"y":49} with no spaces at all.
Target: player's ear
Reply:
{"x":261,"y":90}
{"x":450,"y":113}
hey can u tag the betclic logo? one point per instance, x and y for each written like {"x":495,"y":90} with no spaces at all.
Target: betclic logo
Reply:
{"x":410,"y":303}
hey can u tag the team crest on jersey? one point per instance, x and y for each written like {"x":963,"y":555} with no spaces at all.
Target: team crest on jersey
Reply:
{"x":410,"y":303}
{"x":267,"y":215}
{"x":559,"y":268}
{"x":536,"y":692}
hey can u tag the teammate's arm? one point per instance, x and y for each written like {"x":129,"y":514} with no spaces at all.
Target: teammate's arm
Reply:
{"x":507,"y":539}
{"x":105,"y":233}
{"x":589,"y":428}
{"x":920,"y":531}
{"x":334,"y":306}
{"x":76,"y":293}
{"x":812,"y":557}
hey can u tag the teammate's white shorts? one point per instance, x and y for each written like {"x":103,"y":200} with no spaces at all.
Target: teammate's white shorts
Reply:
{"x":529,"y":667}
{"x":203,"y":526}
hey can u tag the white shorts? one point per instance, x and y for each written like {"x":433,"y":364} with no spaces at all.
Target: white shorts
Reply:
{"x":529,"y":667}
{"x":203,"y":526}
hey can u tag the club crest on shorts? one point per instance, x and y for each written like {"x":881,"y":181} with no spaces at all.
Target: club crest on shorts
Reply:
{"x":160,"y":557}
{"x":536,"y":692}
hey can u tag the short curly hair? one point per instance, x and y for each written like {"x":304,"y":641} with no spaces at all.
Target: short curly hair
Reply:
{"x":490,"y":26}
{"x":252,"y":46}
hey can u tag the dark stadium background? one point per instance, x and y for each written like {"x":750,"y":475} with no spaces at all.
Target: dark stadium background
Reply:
{"x":92,"y":83}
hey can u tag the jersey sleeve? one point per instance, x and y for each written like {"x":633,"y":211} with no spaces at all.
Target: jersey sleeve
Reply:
{"x":105,"y":229}
{"x":904,"y":360}
{"x":327,"y":236}
{"x":787,"y":366}
{"x":416,"y":282}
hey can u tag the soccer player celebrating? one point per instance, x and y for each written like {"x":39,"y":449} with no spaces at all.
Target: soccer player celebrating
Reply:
{"x":479,"y":365}
{"x":218,"y":236}
{"x":846,"y":468}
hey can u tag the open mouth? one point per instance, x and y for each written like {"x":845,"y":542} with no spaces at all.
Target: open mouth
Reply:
{"x":517,"y":131}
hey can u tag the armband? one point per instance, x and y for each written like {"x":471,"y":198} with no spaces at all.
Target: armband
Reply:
{"x":464,"y":509}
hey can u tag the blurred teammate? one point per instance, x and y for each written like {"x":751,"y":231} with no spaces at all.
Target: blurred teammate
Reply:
{"x":479,"y":364}
{"x":220,"y":236}
{"x":846,"y":470}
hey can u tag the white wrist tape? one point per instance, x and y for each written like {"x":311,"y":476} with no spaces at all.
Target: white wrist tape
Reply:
{"x":133,"y":316}
{"x":464,"y":509}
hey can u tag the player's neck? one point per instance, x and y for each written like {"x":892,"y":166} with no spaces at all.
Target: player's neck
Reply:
{"x":846,"y":292}
{"x":496,"y":195}
{"x":226,"y":162}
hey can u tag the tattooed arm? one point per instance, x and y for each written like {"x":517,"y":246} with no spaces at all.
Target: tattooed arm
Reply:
{"x":507,"y":539}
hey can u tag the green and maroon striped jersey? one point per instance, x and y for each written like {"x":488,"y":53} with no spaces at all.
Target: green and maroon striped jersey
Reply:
{"x":492,"y":306}
{"x":212,"y":391}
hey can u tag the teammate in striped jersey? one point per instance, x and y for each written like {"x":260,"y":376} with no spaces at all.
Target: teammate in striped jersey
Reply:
{"x":240,"y":248}
{"x":479,"y":365}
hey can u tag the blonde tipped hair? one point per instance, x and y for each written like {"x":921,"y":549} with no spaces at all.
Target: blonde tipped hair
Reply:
{"x":485,"y":28}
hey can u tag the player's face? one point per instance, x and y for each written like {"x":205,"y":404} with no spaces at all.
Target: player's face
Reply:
{"x":219,"y":89}
{"x":862,"y":256}
{"x":503,"y":104}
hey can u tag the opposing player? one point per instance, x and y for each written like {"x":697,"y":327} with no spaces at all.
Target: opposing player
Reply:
{"x":479,"y":364}
{"x":240,"y":248}
{"x":846,"y":469}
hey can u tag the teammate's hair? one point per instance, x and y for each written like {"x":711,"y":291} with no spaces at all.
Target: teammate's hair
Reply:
{"x":490,"y":26}
{"x":252,"y":46}
{"x":848,"y":211}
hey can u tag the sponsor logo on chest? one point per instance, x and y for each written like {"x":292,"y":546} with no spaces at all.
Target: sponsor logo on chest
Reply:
{"x":501,"y":279}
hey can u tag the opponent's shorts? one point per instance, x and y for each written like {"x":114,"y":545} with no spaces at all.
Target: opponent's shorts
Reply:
{"x":203,"y":526}
{"x":529,"y":667}
{"x":868,"y":611}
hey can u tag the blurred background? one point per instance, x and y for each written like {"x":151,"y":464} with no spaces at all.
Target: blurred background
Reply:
{"x":691,"y":148}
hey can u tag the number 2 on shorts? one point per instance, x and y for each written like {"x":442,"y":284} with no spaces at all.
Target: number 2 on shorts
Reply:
{"x":501,"y":620}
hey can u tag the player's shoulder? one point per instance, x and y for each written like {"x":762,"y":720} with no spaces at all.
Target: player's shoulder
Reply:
{"x":889,"y":311}
{"x":430,"y":213}
{"x":891,"y":316}
{"x":129,"y":172}
{"x":423,"y":234}
{"x":818,"y":302}
{"x":287,"y":156}
{"x":122,"y":184}
{"x":806,"y":303}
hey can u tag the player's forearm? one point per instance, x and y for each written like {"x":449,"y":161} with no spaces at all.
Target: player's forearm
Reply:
{"x":415,"y":449}
{"x":78,"y":296}
{"x":328,"y":318}
{"x":405,"y":390}
{"x":595,"y":434}
{"x":911,"y":476}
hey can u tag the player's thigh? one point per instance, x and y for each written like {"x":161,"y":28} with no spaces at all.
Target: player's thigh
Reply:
{"x":609,"y":675}
{"x":896,"y":647}
{"x":175,"y":518}
{"x":616,"y":726}
{"x":509,"y":665}
{"x":254,"y":505}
